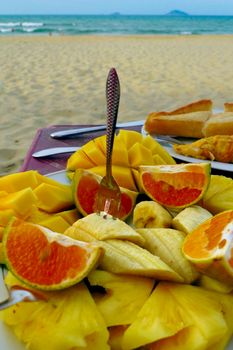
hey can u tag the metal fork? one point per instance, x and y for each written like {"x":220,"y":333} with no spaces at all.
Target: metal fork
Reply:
{"x":15,"y":294}
{"x":108,"y":197}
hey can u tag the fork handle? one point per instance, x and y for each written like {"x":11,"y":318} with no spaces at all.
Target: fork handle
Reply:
{"x":113,"y":98}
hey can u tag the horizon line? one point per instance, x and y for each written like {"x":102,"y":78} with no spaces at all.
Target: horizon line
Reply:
{"x":111,"y":14}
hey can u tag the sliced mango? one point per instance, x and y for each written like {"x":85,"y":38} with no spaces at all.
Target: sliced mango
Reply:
{"x":53,"y":199}
{"x":130,"y":150}
{"x":79,"y":159}
{"x":94,"y":153}
{"x":37,"y":215}
{"x":18,"y":181}
{"x":70,"y":215}
{"x":120,"y":151}
{"x":3,"y":193}
{"x":42,"y":179}
{"x":158,"y":160}
{"x":20,"y":202}
{"x":140,"y":155}
{"x":129,"y":137}
{"x":55,"y":223}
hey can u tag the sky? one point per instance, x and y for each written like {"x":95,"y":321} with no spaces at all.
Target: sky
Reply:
{"x":202,"y":7}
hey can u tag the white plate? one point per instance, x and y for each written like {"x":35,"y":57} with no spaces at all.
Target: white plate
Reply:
{"x":214,"y":164}
{"x":8,"y":341}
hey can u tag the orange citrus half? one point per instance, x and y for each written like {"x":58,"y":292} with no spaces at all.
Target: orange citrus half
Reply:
{"x":85,"y":186}
{"x":177,"y":185}
{"x":210,"y":247}
{"x":45,"y":259}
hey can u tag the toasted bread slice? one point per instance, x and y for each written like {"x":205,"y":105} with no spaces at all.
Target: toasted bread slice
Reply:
{"x":219,"y":124}
{"x":228,"y":107}
{"x":186,"y":121}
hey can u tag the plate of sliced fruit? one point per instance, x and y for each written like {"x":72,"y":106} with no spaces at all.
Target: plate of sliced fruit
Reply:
{"x":152,"y":284}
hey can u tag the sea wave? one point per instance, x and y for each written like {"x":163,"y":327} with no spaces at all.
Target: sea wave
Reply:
{"x":186,"y":33}
{"x":32,"y":24}
{"x":5,"y":30}
{"x":10,"y":24}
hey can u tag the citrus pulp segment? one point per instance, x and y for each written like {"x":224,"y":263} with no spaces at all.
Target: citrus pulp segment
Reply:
{"x":85,"y":188}
{"x":210,"y":247}
{"x":176,"y":185}
{"x":45,"y":259}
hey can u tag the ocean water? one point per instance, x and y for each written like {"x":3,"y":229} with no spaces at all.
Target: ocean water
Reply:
{"x":114,"y":25}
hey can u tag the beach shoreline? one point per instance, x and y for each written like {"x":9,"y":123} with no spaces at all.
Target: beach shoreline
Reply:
{"x":50,"y":80}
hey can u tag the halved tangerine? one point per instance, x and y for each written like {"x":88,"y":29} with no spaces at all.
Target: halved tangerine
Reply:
{"x":210,"y":247}
{"x":85,"y":187}
{"x":45,"y":259}
{"x":177,"y":185}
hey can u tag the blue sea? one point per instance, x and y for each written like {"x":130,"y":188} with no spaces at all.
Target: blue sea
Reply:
{"x":114,"y":25}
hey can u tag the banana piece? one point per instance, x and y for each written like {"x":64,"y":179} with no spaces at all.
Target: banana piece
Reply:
{"x":123,"y":257}
{"x":167,"y":244}
{"x":189,"y":218}
{"x":149,"y":214}
{"x":103,"y":227}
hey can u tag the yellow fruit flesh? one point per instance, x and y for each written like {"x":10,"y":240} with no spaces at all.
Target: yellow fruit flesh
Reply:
{"x":62,"y":321}
{"x":53,"y":198}
{"x":20,"y":201}
{"x":130,"y":150}
{"x":94,"y":153}
{"x":139,"y":154}
{"x":79,"y":158}
{"x":125,"y":295}
{"x":18,"y":181}
{"x":55,"y":223}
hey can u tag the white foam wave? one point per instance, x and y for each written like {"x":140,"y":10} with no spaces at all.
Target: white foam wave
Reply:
{"x":10,"y":24}
{"x":32,"y":24}
{"x":5,"y":30}
{"x":29,"y":30}
{"x":186,"y":33}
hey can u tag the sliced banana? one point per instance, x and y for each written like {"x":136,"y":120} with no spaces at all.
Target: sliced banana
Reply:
{"x":167,"y":244}
{"x":149,"y":214}
{"x":189,"y":218}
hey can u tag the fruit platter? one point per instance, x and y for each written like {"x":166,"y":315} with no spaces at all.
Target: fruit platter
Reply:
{"x":157,"y":276}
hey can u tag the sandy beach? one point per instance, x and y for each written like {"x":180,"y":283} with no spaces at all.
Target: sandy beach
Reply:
{"x":61,"y":80}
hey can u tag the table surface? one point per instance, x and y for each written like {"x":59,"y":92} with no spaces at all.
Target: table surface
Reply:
{"x":56,"y":163}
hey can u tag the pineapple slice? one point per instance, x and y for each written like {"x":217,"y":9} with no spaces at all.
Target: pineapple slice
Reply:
{"x":219,"y":196}
{"x":189,"y":338}
{"x":160,"y":317}
{"x":188,"y":315}
{"x":124,"y":296}
{"x":205,"y":311}
{"x":115,"y":336}
{"x":226,"y":302}
{"x":69,"y":319}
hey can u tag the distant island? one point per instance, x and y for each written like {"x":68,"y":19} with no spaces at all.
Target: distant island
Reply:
{"x":176,"y":13}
